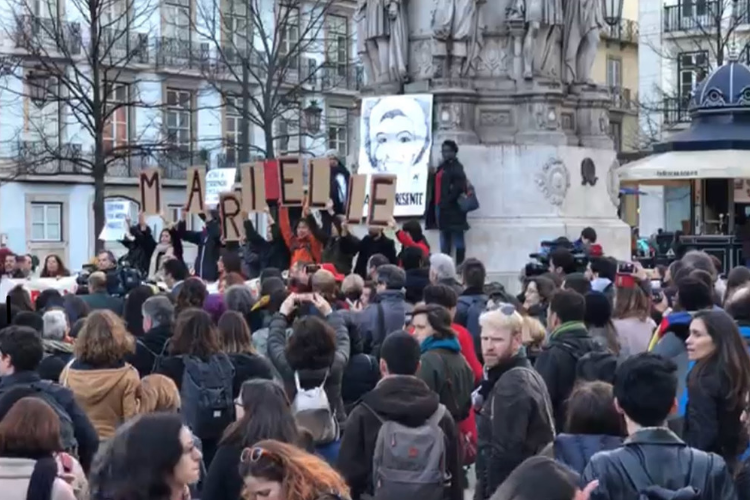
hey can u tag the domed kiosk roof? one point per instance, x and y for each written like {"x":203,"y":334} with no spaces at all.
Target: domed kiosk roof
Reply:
{"x":727,"y":87}
{"x":720,"y":113}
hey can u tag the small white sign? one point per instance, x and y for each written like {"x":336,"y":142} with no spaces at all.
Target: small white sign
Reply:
{"x":219,"y":180}
{"x":115,"y":226}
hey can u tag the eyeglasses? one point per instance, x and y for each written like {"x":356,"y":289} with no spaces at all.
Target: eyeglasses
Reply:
{"x":503,"y":307}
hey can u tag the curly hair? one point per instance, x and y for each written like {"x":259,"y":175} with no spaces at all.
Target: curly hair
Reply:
{"x":312,"y":345}
{"x":192,"y":293}
{"x":103,"y":340}
{"x":303,"y":476}
{"x":195,"y":334}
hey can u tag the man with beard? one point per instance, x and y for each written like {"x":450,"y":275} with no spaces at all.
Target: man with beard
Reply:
{"x":514,"y":412}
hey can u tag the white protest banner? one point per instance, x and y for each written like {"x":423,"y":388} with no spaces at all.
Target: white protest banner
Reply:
{"x":219,"y":180}
{"x":396,"y":138}
{"x":35,"y":286}
{"x":115,"y":226}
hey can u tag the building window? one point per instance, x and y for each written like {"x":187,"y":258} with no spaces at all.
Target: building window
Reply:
{"x":615,"y":132}
{"x":337,"y":52}
{"x":232,"y":127}
{"x":177,"y":19}
{"x":180,"y":119}
{"x":44,"y":117}
{"x":691,"y":8}
{"x":337,"y":125}
{"x":46,"y":222}
{"x":614,"y":72}
{"x":236,"y":25}
{"x":117,"y":129}
{"x":289,"y":28}
{"x":692,"y":67}
{"x":175,"y":213}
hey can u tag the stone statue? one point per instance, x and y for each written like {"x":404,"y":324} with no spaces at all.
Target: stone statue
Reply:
{"x":583,"y":21}
{"x":386,"y":38}
{"x":360,"y":17}
{"x":456,"y":32}
{"x":544,"y":19}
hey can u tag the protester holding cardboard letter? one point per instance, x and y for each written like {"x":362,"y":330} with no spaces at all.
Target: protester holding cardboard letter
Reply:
{"x":302,"y":244}
{"x":260,"y":253}
{"x":208,"y":241}
{"x":150,"y":188}
{"x":230,"y":207}
{"x":140,"y":244}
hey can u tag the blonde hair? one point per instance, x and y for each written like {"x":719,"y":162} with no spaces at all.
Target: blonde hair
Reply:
{"x":497,"y":320}
{"x":533,"y":332}
{"x":103,"y":340}
{"x":158,"y":393}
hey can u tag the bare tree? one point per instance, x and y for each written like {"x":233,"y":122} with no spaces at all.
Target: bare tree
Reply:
{"x":697,"y":37}
{"x":269,"y":58}
{"x":82,"y":80}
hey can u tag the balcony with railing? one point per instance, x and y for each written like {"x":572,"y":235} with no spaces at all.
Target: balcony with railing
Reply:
{"x":181,"y":54}
{"x":626,"y":31}
{"x":703,"y":15}
{"x":675,"y":110}
{"x":124,"y":46}
{"x":331,"y":77}
{"x":44,"y":36}
{"x":37,"y":157}
{"x":623,"y":99}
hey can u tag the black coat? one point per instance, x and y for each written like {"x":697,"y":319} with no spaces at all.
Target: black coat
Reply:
{"x":147,"y":348}
{"x":209,"y":248}
{"x":339,"y":202}
{"x":406,"y":400}
{"x":259,"y":253}
{"x":657,"y":457}
{"x":557,"y":365}
{"x":416,"y":281}
{"x":246,"y":367}
{"x":140,"y":248}
{"x":54,"y":361}
{"x":223,"y":480}
{"x":450,"y":217}
{"x":710,"y":425}
{"x":512,"y":425}
{"x":369,"y":246}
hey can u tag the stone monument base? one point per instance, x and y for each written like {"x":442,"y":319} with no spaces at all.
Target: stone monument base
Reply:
{"x":537,"y":192}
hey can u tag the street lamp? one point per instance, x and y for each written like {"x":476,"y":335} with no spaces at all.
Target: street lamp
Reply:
{"x":612,"y":11}
{"x":38,"y":88}
{"x":312,"y":116}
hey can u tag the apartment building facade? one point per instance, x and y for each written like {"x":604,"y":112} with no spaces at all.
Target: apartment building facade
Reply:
{"x":176,"y":70}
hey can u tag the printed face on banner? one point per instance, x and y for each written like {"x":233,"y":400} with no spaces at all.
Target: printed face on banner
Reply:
{"x":396,"y":137}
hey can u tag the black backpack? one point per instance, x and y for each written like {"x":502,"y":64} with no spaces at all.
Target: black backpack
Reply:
{"x":206,"y":392}
{"x":597,"y":363}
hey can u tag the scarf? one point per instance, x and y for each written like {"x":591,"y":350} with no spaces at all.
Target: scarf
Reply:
{"x":492,"y":375}
{"x":156,"y":266}
{"x":566,"y":327}
{"x":449,"y":344}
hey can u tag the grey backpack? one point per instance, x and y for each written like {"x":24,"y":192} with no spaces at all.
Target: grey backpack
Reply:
{"x":312,"y":411}
{"x":409,"y":462}
{"x":206,"y":392}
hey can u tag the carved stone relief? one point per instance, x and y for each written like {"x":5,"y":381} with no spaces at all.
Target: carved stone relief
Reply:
{"x":495,"y":118}
{"x":613,"y":183}
{"x":545,"y":117}
{"x":554,"y":181}
{"x":450,"y":116}
{"x":420,"y":65}
{"x":493,"y":59}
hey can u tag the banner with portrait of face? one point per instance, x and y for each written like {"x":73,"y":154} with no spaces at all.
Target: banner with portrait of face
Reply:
{"x":396,"y":138}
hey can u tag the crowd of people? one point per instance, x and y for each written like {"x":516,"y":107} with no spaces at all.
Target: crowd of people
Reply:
{"x":359,"y":368}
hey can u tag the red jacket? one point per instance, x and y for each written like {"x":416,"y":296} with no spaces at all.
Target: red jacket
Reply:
{"x":467,"y":349}
{"x":406,"y":240}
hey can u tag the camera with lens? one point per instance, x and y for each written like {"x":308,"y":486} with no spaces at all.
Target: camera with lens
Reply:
{"x":540,"y":260}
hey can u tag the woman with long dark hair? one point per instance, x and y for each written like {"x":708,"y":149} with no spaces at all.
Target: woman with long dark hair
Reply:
{"x":235,"y":340}
{"x":133,"y":314}
{"x":53,"y":267}
{"x":718,"y":386}
{"x":192,"y":293}
{"x":151,"y":458}
{"x":281,"y":471}
{"x":263,"y":412}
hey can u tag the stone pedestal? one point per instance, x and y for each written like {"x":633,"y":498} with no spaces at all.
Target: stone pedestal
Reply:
{"x":537,"y":150}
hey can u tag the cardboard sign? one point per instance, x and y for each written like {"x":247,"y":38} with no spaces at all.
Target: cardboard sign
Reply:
{"x":320,"y":182}
{"x":196,"y":190}
{"x":150,"y":187}
{"x":254,"y":187}
{"x":230,"y":208}
{"x":291,"y":185}
{"x":382,"y":200}
{"x":271,"y":170}
{"x":355,"y":204}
